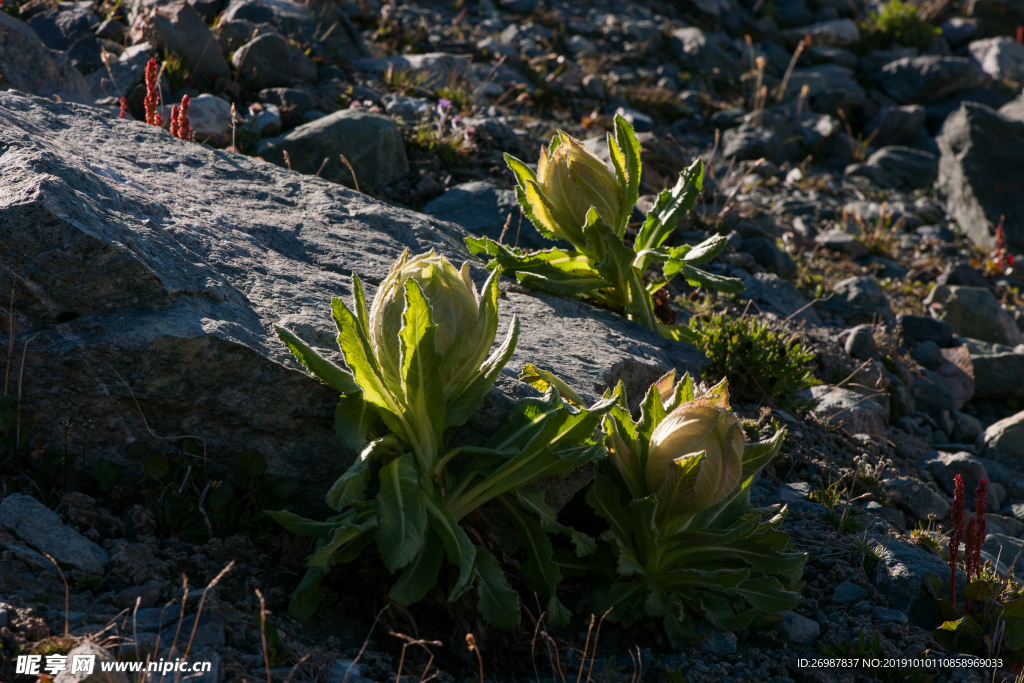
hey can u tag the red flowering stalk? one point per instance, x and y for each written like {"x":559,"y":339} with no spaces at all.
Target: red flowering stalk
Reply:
{"x":152,"y":102}
{"x":124,"y":108}
{"x":1001,"y":256}
{"x":957,"y":514}
{"x":175,"y":115}
{"x":184,"y":127}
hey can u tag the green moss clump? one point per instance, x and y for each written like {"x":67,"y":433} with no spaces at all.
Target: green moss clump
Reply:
{"x":897,"y":24}
{"x":760,"y":363}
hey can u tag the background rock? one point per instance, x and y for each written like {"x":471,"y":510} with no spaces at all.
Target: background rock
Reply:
{"x":31,"y":67}
{"x":170,"y":278}
{"x":40,"y":527}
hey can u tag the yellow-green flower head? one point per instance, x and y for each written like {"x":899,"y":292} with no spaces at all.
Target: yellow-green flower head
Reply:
{"x":462,"y":338}
{"x":573,"y":179}
{"x":704,"y":424}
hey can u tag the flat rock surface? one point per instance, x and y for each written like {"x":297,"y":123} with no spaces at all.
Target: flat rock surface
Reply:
{"x":152,"y":263}
{"x":39,"y":526}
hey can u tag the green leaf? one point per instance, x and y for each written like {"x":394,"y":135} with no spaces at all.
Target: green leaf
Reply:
{"x":300,"y":526}
{"x":722,"y":614}
{"x":156,"y":465}
{"x":624,"y":599}
{"x":349,"y":531}
{"x":421,"y":574}
{"x":252,"y":464}
{"x":702,"y":278}
{"x":629,"y":175}
{"x":532,"y":500}
{"x":106,"y":474}
{"x":367,"y":373}
{"x":678,"y":494}
{"x":558,"y":615}
{"x":350,"y":487}
{"x":680,"y":628}
{"x":498,"y":603}
{"x":362,"y":313}
{"x":403,"y":518}
{"x":421,"y":374}
{"x":460,"y":550}
{"x":339,"y":378}
{"x":756,"y":456}
{"x":767,"y":594}
{"x":641,"y":305}
{"x":671,"y":205}
{"x":645,"y":534}
{"x":521,"y":171}
{"x":539,"y":567}
{"x":679,"y":333}
{"x":306,"y":597}
{"x":703,"y":252}
{"x":541,"y":380}
{"x":355,"y":420}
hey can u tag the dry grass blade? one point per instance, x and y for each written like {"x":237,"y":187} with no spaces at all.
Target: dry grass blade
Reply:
{"x":533,"y":647}
{"x":586,"y":647}
{"x":67,"y":591}
{"x":291,"y":673}
{"x":263,"y":633}
{"x":597,"y":637}
{"x":10,"y":337}
{"x":146,"y":423}
{"x":351,"y":170}
{"x":409,"y":640}
{"x":471,"y":642}
{"x":348,"y":672}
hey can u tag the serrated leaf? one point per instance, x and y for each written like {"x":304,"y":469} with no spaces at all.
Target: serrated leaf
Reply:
{"x":625,"y":600}
{"x":367,"y":373}
{"x":306,"y":597}
{"x":703,"y":252}
{"x":349,"y":488}
{"x":702,"y":278}
{"x":420,"y":575}
{"x":670,"y":206}
{"x":532,"y":500}
{"x":339,"y":378}
{"x":498,"y":602}
{"x":300,"y":526}
{"x":403,"y":517}
{"x":421,"y":374}
{"x":521,"y":171}
{"x":362,"y":312}
{"x":462,"y":407}
{"x":539,"y":567}
{"x":460,"y":550}
{"x":767,"y":594}
{"x":680,"y":628}
{"x":629,"y":147}
{"x":355,"y":420}
{"x":679,"y":333}
{"x":756,"y":456}
{"x":541,"y":380}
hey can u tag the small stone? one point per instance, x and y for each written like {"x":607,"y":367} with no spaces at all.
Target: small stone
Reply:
{"x":860,"y":343}
{"x":915,"y":497}
{"x":928,"y":354}
{"x":716,"y":642}
{"x":842,"y":241}
{"x":797,"y":629}
{"x":848,"y":592}
{"x":41,"y":528}
{"x":794,"y":492}
{"x":858,"y":413}
{"x":98,"y":675}
{"x":885,"y":615}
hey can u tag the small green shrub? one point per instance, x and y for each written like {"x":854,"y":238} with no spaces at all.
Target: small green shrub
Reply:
{"x":759,"y":362}
{"x":897,"y":24}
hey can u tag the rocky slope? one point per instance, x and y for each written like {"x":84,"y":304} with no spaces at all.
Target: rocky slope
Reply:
{"x":871,"y":196}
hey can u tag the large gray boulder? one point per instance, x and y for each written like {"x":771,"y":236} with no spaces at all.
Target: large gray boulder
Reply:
{"x":975,"y":312}
{"x":40,"y":527}
{"x":1006,"y":436}
{"x":900,"y":578}
{"x":152,"y":264}
{"x":29,"y":66}
{"x":371,"y":143}
{"x":930,"y":78}
{"x":980,"y":173}
{"x":178,"y":28}
{"x":997,"y":369}
{"x":1000,"y":57}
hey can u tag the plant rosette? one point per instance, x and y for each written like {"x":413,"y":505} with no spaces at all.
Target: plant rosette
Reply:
{"x":574,"y":196}
{"x":683,"y":540}
{"x":419,"y":362}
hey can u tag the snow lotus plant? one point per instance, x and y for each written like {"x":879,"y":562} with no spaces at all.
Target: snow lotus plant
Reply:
{"x":574,"y":196}
{"x":675,"y":494}
{"x":420,"y":361}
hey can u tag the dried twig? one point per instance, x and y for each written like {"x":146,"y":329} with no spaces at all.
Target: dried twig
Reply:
{"x":144,"y":422}
{"x":471,"y":643}
{"x":67,"y":592}
{"x":263,"y":633}
{"x":351,"y":170}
